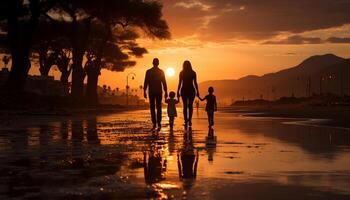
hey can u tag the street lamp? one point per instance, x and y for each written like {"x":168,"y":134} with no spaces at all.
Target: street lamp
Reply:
{"x":127,"y":85}
{"x":141,"y":89}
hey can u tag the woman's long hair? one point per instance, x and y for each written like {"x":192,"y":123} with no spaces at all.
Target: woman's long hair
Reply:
{"x":187,"y":67}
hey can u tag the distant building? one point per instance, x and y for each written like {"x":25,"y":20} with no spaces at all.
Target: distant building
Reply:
{"x":116,"y":97}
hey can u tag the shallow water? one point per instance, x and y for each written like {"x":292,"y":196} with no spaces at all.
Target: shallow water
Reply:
{"x":116,"y":156}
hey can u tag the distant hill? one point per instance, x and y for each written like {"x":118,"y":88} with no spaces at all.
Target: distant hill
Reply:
{"x":326,"y":73}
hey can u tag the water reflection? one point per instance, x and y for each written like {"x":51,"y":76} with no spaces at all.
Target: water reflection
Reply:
{"x":171,"y":142}
{"x":320,"y":142}
{"x":19,"y":142}
{"x":210,"y":144}
{"x":89,"y":153}
{"x":187,"y":161}
{"x":64,"y":129}
{"x":92,"y":136}
{"x":77,"y":139}
{"x":154,"y":166}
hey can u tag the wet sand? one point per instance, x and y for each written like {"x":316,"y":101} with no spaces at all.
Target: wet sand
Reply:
{"x":336,"y":116}
{"x":116,"y":156}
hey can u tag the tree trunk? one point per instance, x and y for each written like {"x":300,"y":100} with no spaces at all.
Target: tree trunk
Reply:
{"x":45,"y":63}
{"x":78,"y":75}
{"x":64,"y":81}
{"x":80,"y":37}
{"x":45,"y":69}
{"x":92,"y":80}
{"x":20,"y":40}
{"x":19,"y":70}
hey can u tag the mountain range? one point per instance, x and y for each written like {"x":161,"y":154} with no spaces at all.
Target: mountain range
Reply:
{"x":317,"y":74}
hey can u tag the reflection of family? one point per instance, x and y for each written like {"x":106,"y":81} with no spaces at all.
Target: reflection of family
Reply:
{"x":188,"y":89}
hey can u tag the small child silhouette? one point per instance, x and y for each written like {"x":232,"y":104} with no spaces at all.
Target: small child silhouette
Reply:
{"x":171,"y":101}
{"x":211,"y":106}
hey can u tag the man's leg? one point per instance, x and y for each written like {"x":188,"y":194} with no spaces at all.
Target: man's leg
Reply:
{"x":159,"y":109}
{"x":152,"y":101}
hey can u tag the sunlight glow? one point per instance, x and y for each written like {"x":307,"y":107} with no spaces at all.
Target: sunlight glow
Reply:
{"x":170,"y":72}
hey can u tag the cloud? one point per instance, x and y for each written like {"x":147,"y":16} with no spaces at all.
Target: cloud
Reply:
{"x":226,"y":20}
{"x":193,"y":4}
{"x":338,"y":40}
{"x":296,"y":39}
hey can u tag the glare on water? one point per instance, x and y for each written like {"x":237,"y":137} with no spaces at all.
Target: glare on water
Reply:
{"x":107,"y":155}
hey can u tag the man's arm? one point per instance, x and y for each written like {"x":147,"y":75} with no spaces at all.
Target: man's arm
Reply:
{"x":164,"y":85}
{"x":196,"y":84}
{"x":145,"y":85}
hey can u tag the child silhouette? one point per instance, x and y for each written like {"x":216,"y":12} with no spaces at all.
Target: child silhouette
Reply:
{"x":171,"y":109}
{"x":211,"y":106}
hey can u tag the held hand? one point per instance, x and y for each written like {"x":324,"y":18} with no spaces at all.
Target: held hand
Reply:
{"x":145,"y":94}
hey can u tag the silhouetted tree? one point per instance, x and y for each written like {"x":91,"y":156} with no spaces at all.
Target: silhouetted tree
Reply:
{"x":50,"y":45}
{"x":19,"y":19}
{"x":110,"y":14}
{"x":113,"y":54}
{"x":113,"y":36}
{"x":23,"y":18}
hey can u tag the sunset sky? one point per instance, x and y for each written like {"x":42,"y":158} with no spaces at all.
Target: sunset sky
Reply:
{"x":228,"y":39}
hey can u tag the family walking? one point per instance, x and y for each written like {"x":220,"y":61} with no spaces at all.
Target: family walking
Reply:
{"x":155,"y":83}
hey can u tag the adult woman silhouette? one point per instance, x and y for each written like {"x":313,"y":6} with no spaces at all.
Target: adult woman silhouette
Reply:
{"x":188,"y":87}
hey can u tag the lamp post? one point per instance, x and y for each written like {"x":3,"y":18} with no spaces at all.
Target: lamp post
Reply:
{"x":127,"y":85}
{"x":141,"y":89}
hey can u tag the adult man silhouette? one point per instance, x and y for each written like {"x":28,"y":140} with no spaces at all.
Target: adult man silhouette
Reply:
{"x":154,"y":81}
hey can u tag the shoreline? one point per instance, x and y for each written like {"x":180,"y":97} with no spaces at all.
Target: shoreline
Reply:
{"x":331,"y":116}
{"x":99,"y":109}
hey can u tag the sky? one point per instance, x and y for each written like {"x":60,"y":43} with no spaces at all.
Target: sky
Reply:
{"x":229,"y":39}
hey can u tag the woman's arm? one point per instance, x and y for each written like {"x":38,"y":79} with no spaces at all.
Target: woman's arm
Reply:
{"x":179,"y":86}
{"x":196,"y":84}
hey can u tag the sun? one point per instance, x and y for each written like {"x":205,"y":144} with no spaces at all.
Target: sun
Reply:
{"x":170,"y":71}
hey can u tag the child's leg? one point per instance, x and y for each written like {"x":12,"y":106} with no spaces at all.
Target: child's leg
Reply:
{"x":209,"y":121}
{"x":212,"y":118}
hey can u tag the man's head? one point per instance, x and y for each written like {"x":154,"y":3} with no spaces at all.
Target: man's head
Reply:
{"x":155,"y":62}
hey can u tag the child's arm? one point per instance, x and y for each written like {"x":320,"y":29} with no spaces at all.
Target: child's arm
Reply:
{"x":202,"y":99}
{"x":215,"y":105}
{"x":177,"y":101}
